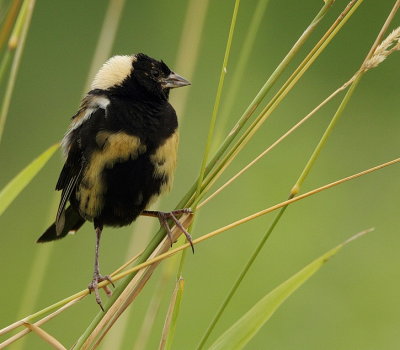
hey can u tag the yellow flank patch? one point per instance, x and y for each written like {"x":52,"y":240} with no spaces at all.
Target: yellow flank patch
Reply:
{"x":115,"y":148}
{"x":164,"y":161}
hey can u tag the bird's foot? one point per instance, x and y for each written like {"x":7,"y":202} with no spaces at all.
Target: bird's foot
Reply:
{"x":163,"y":217}
{"x":93,"y":286}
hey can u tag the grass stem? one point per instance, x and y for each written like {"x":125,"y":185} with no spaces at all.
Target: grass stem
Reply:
{"x":280,"y":95}
{"x":240,"y":68}
{"x":9,"y":21}
{"x":237,"y":283}
{"x":217,"y":99}
{"x":17,"y":40}
{"x":296,"y":188}
{"x":205,"y":237}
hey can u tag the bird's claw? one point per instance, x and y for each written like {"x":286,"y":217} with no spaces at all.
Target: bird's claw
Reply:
{"x":164,"y":216}
{"x":93,"y":286}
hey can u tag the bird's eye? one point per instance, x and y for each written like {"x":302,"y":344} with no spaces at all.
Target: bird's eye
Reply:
{"x":155,"y":73}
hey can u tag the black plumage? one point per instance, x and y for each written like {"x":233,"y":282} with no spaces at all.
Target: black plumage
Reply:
{"x":120,"y":149}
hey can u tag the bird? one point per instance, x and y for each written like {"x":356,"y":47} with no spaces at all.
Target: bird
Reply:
{"x":120,"y":151}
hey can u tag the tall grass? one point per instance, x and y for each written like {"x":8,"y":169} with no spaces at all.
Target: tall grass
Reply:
{"x":212,"y":168}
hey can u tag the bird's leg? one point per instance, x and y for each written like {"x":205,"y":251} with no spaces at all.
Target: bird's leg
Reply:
{"x":163,"y":218}
{"x":97,"y":277}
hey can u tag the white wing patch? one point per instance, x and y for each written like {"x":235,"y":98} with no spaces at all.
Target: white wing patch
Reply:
{"x":88,"y":106}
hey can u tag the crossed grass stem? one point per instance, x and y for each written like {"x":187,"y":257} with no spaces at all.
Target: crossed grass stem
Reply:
{"x":259,"y":100}
{"x":380,"y":48}
{"x":68,"y":302}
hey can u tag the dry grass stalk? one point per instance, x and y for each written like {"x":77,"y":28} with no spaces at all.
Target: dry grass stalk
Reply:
{"x":180,"y":283}
{"x":387,"y":47}
{"x":273,"y":208}
{"x":281,"y":94}
{"x":38,"y":323}
{"x":133,"y":289}
{"x":151,"y":313}
{"x":16,"y":41}
{"x":162,"y":253}
{"x":216,"y":232}
{"x":380,"y":54}
{"x":154,"y":260}
{"x":125,"y":265}
{"x":274,"y":144}
{"x":45,"y":336}
{"x":9,"y":22}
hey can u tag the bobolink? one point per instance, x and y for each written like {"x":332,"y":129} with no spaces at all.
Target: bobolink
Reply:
{"x":120,"y":151}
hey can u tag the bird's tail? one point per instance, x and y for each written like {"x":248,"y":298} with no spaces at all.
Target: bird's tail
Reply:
{"x":73,"y":222}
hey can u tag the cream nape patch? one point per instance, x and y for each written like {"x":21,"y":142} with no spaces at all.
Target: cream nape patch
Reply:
{"x":113,"y":72}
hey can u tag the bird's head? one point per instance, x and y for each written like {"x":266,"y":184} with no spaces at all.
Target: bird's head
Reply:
{"x":128,"y":75}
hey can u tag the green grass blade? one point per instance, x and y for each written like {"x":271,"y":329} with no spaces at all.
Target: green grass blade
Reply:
{"x":240,"y":69}
{"x":279,"y":96}
{"x":19,"y":182}
{"x":295,"y":190}
{"x":188,"y":199}
{"x":172,"y":316}
{"x":241,"y":332}
{"x":17,"y":40}
{"x":239,"y":280}
{"x":217,"y":99}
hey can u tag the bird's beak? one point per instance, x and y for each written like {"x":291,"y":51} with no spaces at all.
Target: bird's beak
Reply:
{"x":174,"y":81}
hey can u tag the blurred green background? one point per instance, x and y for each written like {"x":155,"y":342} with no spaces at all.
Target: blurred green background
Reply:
{"x":353,"y":303}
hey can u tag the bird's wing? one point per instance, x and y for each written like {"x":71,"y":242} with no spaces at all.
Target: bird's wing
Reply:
{"x":67,"y":181}
{"x":75,"y":150}
{"x":91,"y":104}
